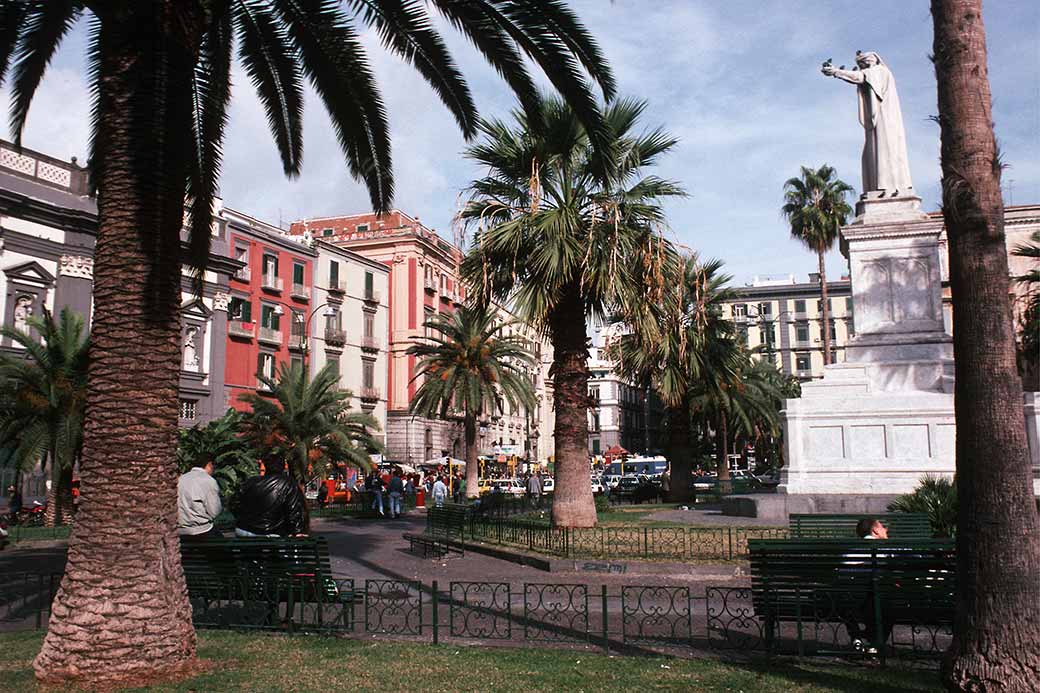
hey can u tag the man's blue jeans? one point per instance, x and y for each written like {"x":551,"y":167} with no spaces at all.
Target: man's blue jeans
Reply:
{"x":377,"y":501}
{"x":395,"y":503}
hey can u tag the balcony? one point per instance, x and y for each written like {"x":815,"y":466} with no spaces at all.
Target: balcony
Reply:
{"x":335,"y":338}
{"x":799,"y":315}
{"x":371,"y":297}
{"x":801,"y":344}
{"x":269,"y":336}
{"x":370,"y":394}
{"x":337,"y":287}
{"x":430,"y":285}
{"x":243,"y":275}
{"x":300,"y":292}
{"x":297,"y":341}
{"x":241,"y":328}
{"x":271,"y":283}
{"x":740,"y":319}
{"x":803,"y":373}
{"x":370,"y":343}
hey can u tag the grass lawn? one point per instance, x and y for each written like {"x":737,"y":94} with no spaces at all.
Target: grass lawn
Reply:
{"x":278,"y":663}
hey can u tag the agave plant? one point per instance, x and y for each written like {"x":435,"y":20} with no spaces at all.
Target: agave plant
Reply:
{"x":937,"y":496}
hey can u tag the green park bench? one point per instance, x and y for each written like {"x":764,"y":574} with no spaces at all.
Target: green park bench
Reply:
{"x":442,"y":524}
{"x":263,"y":570}
{"x":812,"y":581}
{"x":900,"y":526}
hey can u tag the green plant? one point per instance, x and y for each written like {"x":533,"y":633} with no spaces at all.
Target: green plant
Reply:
{"x":603,"y":504}
{"x":221,"y":440}
{"x":936,"y":496}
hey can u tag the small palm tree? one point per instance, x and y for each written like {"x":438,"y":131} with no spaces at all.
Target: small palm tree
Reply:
{"x":566,"y":232}
{"x":223,"y":442}
{"x":469,"y":364}
{"x":309,"y":421}
{"x":936,"y":496}
{"x":160,"y":74}
{"x":815,"y":206}
{"x":45,"y":394}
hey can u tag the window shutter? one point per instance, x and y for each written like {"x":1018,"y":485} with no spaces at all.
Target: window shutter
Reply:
{"x":247,"y":311}
{"x":297,"y":273}
{"x":368,"y":283}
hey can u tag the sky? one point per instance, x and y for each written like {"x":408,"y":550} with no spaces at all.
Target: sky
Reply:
{"x":737,"y":81}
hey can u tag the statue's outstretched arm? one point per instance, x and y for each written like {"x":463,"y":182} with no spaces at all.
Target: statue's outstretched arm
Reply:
{"x":850,"y":76}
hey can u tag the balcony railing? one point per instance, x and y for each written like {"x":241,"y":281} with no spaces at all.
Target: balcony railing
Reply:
{"x":270,"y":336}
{"x":370,"y":394}
{"x":429,"y":284}
{"x":370,"y":343}
{"x":301,"y":292}
{"x":799,"y":315}
{"x":243,"y":274}
{"x":240,"y":328}
{"x":297,"y":341}
{"x":335,"y":337}
{"x":804,"y":373}
{"x":337,"y":287}
{"x":371,"y":297}
{"x":271,"y":282}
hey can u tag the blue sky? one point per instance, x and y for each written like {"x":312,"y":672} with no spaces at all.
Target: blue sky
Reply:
{"x":738,"y":82}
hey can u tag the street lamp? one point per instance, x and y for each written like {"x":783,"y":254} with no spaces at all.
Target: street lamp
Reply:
{"x":305,"y":344}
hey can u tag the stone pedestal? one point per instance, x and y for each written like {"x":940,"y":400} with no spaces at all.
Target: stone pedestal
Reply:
{"x":874,"y":425}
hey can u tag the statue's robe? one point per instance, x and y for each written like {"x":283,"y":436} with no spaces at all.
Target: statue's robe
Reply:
{"x":885,"y":163}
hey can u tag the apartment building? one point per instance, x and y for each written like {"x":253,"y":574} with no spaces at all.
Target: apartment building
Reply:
{"x":350,"y":325}
{"x":423,"y":282}
{"x":783,"y":319}
{"x":269,"y":306}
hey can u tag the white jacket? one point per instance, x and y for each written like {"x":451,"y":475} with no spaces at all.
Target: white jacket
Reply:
{"x":198,"y":501}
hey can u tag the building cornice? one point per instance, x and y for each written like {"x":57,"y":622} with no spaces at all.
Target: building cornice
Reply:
{"x":14,"y":204}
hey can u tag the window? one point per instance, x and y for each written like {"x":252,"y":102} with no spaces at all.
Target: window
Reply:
{"x":296,"y":328}
{"x":803,"y":362}
{"x":799,"y":306}
{"x":819,"y":305}
{"x":595,"y":446}
{"x":265,"y":365}
{"x":332,"y":322}
{"x":270,"y":265}
{"x":833,"y":330}
{"x":594,"y":392}
{"x":242,"y":253}
{"x":369,"y":281}
{"x":848,"y":305}
{"x":739,"y":309}
{"x":368,"y":374}
{"x":362,"y":228}
{"x":370,"y":326}
{"x":240,"y":309}
{"x":296,"y":362}
{"x":594,"y":424}
{"x":297,"y":273}
{"x":801,"y":333}
{"x":765,"y":309}
{"x":333,"y":274}
{"x":188,"y":409}
{"x":769,"y":335}
{"x":326,"y":232}
{"x":742,"y":335}
{"x":269,"y":317}
{"x":333,"y":365}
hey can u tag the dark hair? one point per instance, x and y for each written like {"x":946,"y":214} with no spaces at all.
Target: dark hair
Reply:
{"x":273,"y":463}
{"x":202,"y":459}
{"x":865,"y":527}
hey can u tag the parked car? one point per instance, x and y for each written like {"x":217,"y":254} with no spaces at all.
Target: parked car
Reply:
{"x":638,"y":488}
{"x":512,"y":487}
{"x":611,"y":480}
{"x":548,"y":485}
{"x":705,"y":483}
{"x":597,"y":486}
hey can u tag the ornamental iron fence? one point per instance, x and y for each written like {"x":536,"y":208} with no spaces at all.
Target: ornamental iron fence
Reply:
{"x":676,"y":620}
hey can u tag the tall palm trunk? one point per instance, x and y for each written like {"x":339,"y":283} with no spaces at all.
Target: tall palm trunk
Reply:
{"x":122,"y":608}
{"x":825,"y":310}
{"x":996,"y":644}
{"x":573,"y":505}
{"x":472,"y":464}
{"x":680,"y":457}
{"x":59,"y":495}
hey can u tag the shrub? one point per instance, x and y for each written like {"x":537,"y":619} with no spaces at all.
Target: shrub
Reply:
{"x":602,"y":503}
{"x":936,"y":496}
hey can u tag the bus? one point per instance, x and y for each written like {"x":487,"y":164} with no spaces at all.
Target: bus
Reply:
{"x":638,"y":465}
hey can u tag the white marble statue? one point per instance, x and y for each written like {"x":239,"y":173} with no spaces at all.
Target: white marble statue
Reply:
{"x":23,"y":310}
{"x":886,"y":168}
{"x":191,"y":352}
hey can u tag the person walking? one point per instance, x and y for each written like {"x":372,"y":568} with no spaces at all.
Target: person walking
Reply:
{"x":271,"y":505}
{"x":440,"y":492}
{"x":396,"y":493}
{"x":198,"y":501}
{"x":534,"y":490}
{"x":375,"y":487}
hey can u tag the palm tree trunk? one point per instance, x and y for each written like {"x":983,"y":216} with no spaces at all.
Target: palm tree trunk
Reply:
{"x":122,"y":608}
{"x":722,"y":454}
{"x":472,"y":464}
{"x":680,"y":457}
{"x":825,"y":311}
{"x":996,"y":643}
{"x":50,"y":514}
{"x":573,"y":505}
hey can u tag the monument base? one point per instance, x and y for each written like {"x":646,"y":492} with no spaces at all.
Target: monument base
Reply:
{"x":778,"y":506}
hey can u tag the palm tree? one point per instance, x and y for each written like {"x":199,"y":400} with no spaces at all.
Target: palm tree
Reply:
{"x":45,"y":393}
{"x":815,"y":206}
{"x":1029,"y":331}
{"x":160,"y":76}
{"x":996,"y":635}
{"x":223,"y":442}
{"x":469,"y":364}
{"x":565,"y":232}
{"x":310,"y":422}
{"x":676,"y":344}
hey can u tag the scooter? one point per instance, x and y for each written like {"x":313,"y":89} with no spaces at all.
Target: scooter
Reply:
{"x":33,"y":515}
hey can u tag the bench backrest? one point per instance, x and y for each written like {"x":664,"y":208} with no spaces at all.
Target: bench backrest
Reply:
{"x":900,"y":525}
{"x":921,"y":572}
{"x":222,"y":561}
{"x":449,"y":519}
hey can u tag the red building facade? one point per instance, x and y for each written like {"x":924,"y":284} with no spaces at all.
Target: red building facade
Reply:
{"x":270,"y":307}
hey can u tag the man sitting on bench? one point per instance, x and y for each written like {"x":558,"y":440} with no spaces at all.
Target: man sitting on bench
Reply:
{"x":863,"y":638}
{"x":271,"y":505}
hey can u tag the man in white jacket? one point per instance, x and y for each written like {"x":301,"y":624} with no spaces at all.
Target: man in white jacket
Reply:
{"x":198,"y":501}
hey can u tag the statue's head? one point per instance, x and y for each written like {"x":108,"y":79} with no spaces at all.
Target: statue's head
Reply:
{"x":867,"y":59}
